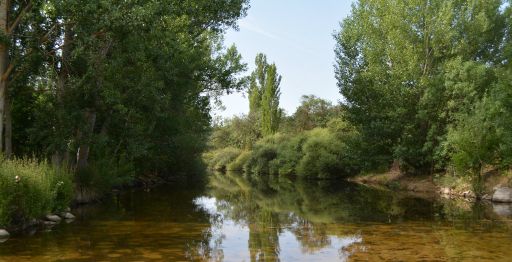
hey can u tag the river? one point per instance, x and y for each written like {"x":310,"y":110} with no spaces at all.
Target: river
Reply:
{"x":231,"y":217}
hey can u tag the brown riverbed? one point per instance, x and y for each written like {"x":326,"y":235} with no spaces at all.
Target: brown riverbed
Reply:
{"x":234,"y":218}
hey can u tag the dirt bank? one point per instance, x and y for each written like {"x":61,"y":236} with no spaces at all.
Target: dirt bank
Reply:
{"x":445,"y":185}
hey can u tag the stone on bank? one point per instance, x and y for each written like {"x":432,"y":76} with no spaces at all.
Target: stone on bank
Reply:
{"x":67,"y":216}
{"x":502,"y":194}
{"x":53,"y":218}
{"x":4,"y":233}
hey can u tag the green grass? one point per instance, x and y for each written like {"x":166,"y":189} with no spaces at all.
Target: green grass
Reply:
{"x":31,"y":189}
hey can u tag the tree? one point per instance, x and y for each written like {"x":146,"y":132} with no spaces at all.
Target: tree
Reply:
{"x":482,"y":136}
{"x":270,"y":111}
{"x":12,"y":13}
{"x":406,"y":69}
{"x":313,"y":112}
{"x":264,"y":94}
{"x":115,"y":81}
{"x":257,"y":84}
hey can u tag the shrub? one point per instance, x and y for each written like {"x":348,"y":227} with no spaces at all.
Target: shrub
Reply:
{"x":289,"y":153}
{"x":106,"y":173}
{"x":31,"y":189}
{"x":322,"y":155}
{"x":219,"y":159}
{"x":258,"y":162}
{"x":239,"y":162}
{"x":324,"y":152}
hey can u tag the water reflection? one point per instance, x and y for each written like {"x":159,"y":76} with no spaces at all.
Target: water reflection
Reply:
{"x":348,"y":221}
{"x":232,"y":217}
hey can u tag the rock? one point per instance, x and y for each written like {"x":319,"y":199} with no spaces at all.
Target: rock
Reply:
{"x":68,"y":216}
{"x":49,"y":223}
{"x":502,"y":194}
{"x":67,"y":209}
{"x":468,"y":194}
{"x":445,"y":191}
{"x":4,"y":234}
{"x":487,"y":197}
{"x":501,"y":209}
{"x":445,"y":196}
{"x":53,"y":218}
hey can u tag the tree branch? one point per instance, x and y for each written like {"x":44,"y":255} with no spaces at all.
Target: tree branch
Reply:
{"x":18,"y":19}
{"x":7,"y":72}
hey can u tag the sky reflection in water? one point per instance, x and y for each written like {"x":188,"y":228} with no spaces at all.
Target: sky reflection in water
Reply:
{"x":236,"y":218}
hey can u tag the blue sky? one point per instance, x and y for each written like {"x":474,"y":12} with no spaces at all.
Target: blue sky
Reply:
{"x":297,"y":36}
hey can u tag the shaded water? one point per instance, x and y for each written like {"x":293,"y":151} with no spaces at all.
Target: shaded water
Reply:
{"x":234,"y":218}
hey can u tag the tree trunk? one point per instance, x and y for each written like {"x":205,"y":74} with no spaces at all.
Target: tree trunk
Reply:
{"x":60,"y":156}
{"x":82,"y":155}
{"x":8,"y":128}
{"x":4,"y":7}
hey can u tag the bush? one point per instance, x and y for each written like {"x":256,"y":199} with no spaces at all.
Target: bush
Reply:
{"x":30,"y":189}
{"x":106,"y":173}
{"x":258,"y":163}
{"x":289,"y":154}
{"x":322,"y":155}
{"x":219,"y":159}
{"x":318,"y":153}
{"x":239,"y":162}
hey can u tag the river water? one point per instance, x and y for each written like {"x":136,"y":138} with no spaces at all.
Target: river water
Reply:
{"x":235,"y":218}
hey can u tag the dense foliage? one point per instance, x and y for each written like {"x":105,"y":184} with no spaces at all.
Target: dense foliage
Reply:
{"x":109,"y":90}
{"x":315,"y":142}
{"x":124,"y":83}
{"x":428,"y":82}
{"x":30,"y":190}
{"x":264,"y":93}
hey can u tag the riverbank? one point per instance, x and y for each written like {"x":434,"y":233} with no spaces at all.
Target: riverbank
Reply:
{"x":496,"y":187}
{"x":78,"y":197}
{"x":289,"y":219}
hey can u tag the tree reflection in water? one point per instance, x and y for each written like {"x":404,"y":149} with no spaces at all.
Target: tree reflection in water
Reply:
{"x":316,"y":217}
{"x":270,"y":206}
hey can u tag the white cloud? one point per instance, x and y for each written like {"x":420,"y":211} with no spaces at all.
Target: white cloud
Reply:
{"x":247,"y":25}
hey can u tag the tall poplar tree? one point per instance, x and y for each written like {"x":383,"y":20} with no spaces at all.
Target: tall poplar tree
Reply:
{"x":264,"y":93}
{"x":257,"y":83}
{"x":270,"y":111}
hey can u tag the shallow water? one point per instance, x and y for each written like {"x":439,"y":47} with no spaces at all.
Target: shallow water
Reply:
{"x":234,"y":218}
